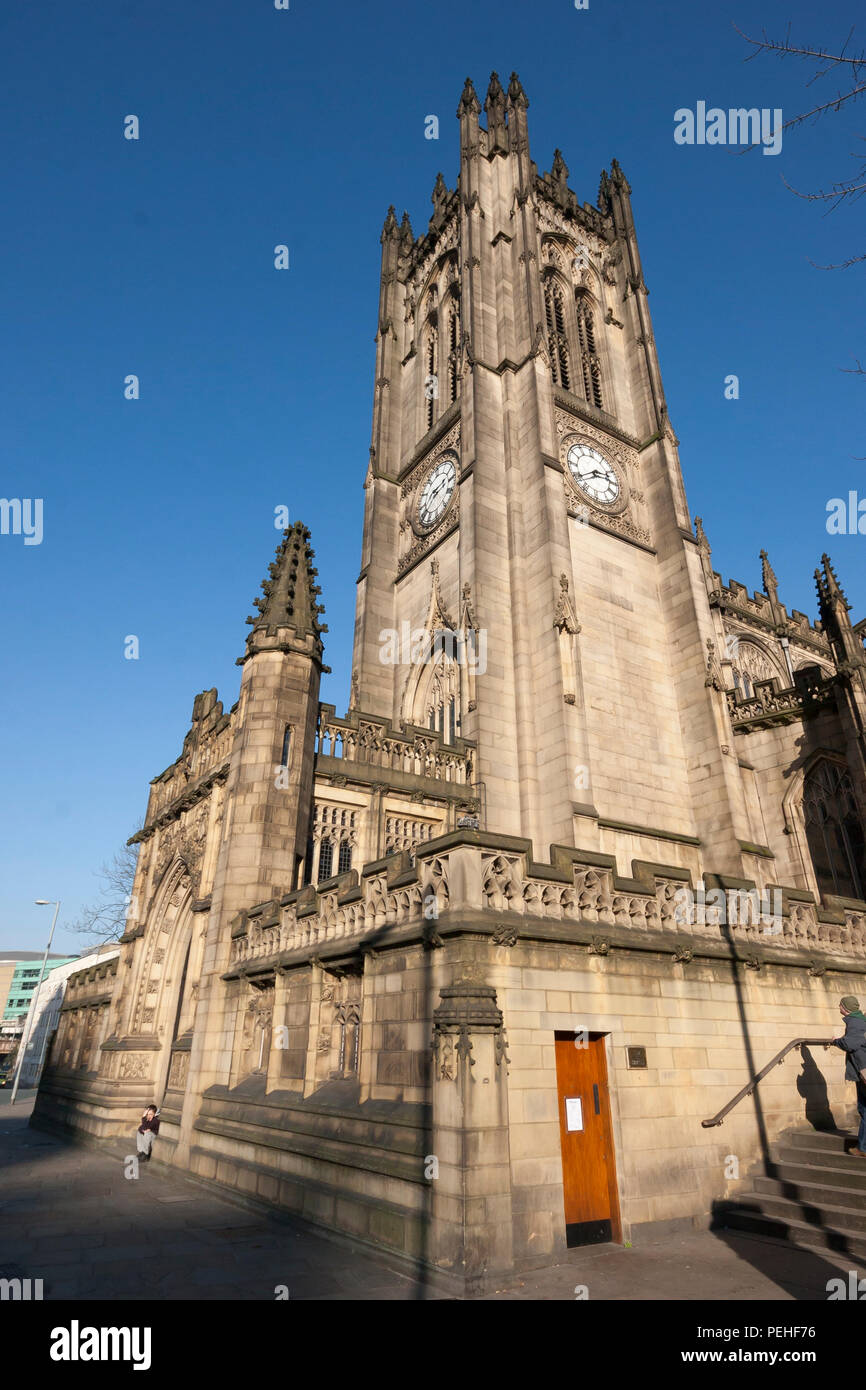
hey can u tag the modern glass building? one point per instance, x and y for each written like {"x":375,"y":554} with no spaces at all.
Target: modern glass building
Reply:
{"x":23,"y":979}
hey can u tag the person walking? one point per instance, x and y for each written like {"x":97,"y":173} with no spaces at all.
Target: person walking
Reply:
{"x":149,"y":1128}
{"x":853,"y":1044}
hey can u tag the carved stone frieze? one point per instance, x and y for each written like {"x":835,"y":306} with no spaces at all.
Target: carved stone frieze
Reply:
{"x":134,"y":1066}
{"x":178,"y":1071}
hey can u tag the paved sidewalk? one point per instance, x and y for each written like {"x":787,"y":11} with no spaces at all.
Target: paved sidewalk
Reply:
{"x":70,"y":1217}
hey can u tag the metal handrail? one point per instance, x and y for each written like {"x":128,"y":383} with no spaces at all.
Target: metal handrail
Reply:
{"x":751,"y":1085}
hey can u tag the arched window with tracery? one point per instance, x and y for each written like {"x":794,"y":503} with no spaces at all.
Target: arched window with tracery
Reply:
{"x":443,"y":694}
{"x":834,"y":830}
{"x":589,"y":360}
{"x":453,"y":330}
{"x":557,"y":336}
{"x":431,"y":372}
{"x":751,"y":663}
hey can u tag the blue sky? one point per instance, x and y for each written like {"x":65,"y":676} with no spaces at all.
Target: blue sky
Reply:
{"x":155,"y":257}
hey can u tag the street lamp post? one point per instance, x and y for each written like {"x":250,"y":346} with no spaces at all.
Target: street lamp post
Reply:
{"x":40,"y":902}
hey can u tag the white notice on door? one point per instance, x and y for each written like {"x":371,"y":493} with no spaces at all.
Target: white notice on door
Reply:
{"x":573,"y":1113}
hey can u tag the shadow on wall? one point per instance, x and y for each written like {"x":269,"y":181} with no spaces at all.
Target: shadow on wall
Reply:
{"x":812,"y":1086}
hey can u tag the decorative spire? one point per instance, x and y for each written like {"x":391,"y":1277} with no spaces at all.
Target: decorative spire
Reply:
{"x":290,"y":592}
{"x":604,"y":191}
{"x":705,"y":555}
{"x":559,"y":179}
{"x":469,"y":103}
{"x":771,"y":583}
{"x":831,"y":583}
{"x":559,"y":168}
{"x":494,"y":105}
{"x":390,"y":227}
{"x":495,"y":95}
{"x":437,"y":614}
{"x":516,"y":94}
{"x":407,"y":236}
{"x":439,"y":199}
{"x":617,"y":177}
{"x":819,"y":584}
{"x":835,"y":619}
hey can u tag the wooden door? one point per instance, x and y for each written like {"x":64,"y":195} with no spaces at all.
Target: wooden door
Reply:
{"x":588,"y":1166}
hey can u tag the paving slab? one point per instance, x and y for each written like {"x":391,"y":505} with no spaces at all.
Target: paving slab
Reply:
{"x":70,"y":1216}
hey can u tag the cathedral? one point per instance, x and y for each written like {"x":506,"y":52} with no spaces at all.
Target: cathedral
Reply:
{"x":464,"y":972}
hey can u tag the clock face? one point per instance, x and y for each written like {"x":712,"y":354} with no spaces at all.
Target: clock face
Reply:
{"x":593,"y":474}
{"x":437,"y":492}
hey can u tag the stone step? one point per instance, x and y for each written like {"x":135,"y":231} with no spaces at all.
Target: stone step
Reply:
{"x":823,"y":1158}
{"x":827,"y":1215}
{"x":836,"y":1141}
{"x":740,"y":1216}
{"x":812,"y":1193}
{"x":801,"y":1172}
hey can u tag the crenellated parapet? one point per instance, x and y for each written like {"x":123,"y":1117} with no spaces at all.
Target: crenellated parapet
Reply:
{"x":470,"y":882}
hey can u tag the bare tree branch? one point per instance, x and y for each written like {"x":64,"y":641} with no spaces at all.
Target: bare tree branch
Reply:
{"x":105,"y":919}
{"x":846,"y":190}
{"x":768,"y":45}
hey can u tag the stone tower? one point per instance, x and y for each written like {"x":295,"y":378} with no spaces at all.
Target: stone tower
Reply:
{"x":270,"y":788}
{"x":421,"y":972}
{"x":522,"y":448}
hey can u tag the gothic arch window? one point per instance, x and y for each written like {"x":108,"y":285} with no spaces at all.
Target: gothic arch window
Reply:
{"x":452,"y":320}
{"x":431,"y":371}
{"x":331,"y":843}
{"x":590,"y":365}
{"x":441,"y":690}
{"x":557,"y":334}
{"x":834,"y":830}
{"x":751,"y":663}
{"x":326,"y":860}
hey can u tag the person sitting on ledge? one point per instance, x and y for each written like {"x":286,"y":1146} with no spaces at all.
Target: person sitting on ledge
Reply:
{"x":149,"y":1128}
